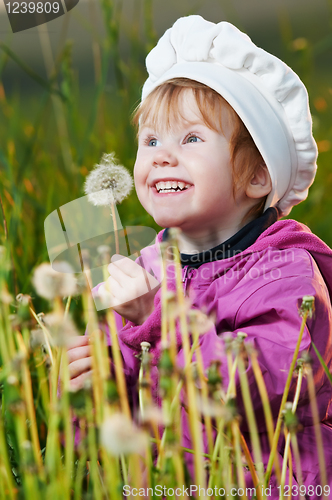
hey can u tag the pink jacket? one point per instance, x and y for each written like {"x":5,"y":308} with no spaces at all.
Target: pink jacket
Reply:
{"x":258,"y":291}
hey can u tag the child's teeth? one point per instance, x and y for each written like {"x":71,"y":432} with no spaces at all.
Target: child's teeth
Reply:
{"x":171,"y":186}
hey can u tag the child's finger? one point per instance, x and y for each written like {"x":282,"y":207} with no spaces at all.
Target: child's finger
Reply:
{"x":79,"y":353}
{"x":78,"y":382}
{"x":79,"y":366}
{"x":127,"y":266}
{"x":77,"y":341}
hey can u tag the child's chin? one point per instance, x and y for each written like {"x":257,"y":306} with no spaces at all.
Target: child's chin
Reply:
{"x":167,"y":221}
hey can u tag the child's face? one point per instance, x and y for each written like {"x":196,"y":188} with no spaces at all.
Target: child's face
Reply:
{"x":199,"y":158}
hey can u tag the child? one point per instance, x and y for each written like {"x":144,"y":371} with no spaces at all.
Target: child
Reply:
{"x":225,"y":150}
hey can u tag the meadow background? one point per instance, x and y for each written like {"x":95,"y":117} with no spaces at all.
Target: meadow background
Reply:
{"x":68,"y":89}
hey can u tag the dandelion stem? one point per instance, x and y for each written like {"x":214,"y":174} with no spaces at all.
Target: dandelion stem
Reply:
{"x":115,"y":228}
{"x":27,"y":385}
{"x":283,"y":401}
{"x":250,"y":415}
{"x":288,"y":434}
{"x":47,"y":335}
{"x":67,"y":306}
{"x":266,"y":406}
{"x":317,"y":429}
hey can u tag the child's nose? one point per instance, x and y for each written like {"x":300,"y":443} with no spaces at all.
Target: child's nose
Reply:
{"x":164,"y":158}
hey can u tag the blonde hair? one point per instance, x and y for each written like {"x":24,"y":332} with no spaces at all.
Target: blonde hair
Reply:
{"x":161,"y":110}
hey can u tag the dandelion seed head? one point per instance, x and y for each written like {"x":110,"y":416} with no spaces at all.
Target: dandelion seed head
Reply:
{"x":23,"y":299}
{"x":59,"y":282}
{"x":199,"y":321}
{"x":108,"y":182}
{"x":119,"y":435}
{"x":37,"y":338}
{"x":60,"y":328}
{"x":104,"y":249}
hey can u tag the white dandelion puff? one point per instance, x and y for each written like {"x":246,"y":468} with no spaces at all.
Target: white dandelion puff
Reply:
{"x":119,"y":435}
{"x":50,"y":283}
{"x":61,"y":328}
{"x":108,"y":182}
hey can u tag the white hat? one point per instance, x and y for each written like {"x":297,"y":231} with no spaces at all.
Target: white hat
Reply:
{"x":267,"y":95}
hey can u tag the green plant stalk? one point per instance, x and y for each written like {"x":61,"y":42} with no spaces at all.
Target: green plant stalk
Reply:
{"x":250,"y":414}
{"x":68,"y":419}
{"x":218,"y":444}
{"x":3,"y":344}
{"x":124,"y":468}
{"x":52,"y":453}
{"x":112,"y":474}
{"x":238,"y":457}
{"x":231,"y":390}
{"x":297,"y":458}
{"x":172,"y":335}
{"x":80,"y":475}
{"x":266,"y":407}
{"x":6,"y":473}
{"x":167,"y":410}
{"x":115,"y":228}
{"x":226,"y":471}
{"x":219,"y":438}
{"x":11,"y":348}
{"x":164,"y":300}
{"x":316,"y":421}
{"x":290,"y":462}
{"x":99,"y":375}
{"x":250,"y":464}
{"x":204,"y":389}
{"x":134,"y":471}
{"x":283,"y":401}
{"x":118,"y":365}
{"x":93,"y":453}
{"x":288,"y":434}
{"x":28,"y":397}
{"x":21,"y":434}
{"x":43,"y":384}
{"x":178,"y":467}
{"x":67,"y":306}
{"x":322,"y":362}
{"x":98,"y":384}
{"x":194,"y":420}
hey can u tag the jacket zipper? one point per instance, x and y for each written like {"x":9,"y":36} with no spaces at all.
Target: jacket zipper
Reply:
{"x":185,"y":277}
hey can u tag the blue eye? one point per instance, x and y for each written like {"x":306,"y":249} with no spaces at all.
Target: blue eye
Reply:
{"x":193,"y":138}
{"x":153,"y":142}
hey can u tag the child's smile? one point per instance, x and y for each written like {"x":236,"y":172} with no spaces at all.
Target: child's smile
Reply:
{"x":183,"y":176}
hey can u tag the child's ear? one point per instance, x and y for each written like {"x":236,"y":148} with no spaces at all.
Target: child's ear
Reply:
{"x":260,"y":184}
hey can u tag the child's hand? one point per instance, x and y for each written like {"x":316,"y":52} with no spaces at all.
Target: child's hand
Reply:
{"x":129,"y":290}
{"x":79,"y":361}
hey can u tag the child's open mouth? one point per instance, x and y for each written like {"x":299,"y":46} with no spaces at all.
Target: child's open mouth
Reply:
{"x":164,"y":187}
